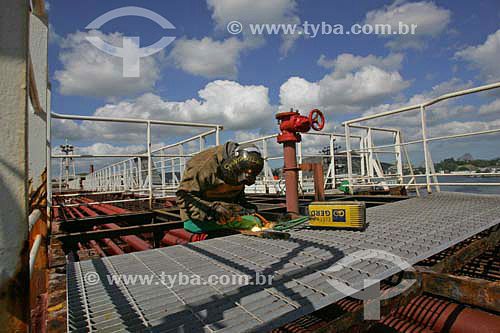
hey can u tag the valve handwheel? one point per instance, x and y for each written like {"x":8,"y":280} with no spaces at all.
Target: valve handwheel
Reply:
{"x":317,"y":120}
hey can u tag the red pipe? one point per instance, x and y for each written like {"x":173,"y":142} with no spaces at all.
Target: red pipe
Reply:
{"x":77,"y":212}
{"x":188,"y":236}
{"x":402,"y":325}
{"x":97,"y":248}
{"x":169,"y":239}
{"x":135,"y":242}
{"x":182,"y":236}
{"x":110,"y":209}
{"x":291,"y":177}
{"x":70,"y":213}
{"x":113,"y":248}
{"x":442,"y":315}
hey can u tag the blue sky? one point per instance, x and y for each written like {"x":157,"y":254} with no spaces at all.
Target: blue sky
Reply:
{"x":241,"y":81}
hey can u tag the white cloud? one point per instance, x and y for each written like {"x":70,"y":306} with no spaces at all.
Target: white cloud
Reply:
{"x":256,"y":12}
{"x":355,"y":83}
{"x":493,"y":107}
{"x":484,"y":57}
{"x":347,"y":62}
{"x":252,"y":11}
{"x":208,"y":57}
{"x":227,"y":103}
{"x":411,"y":120}
{"x":430,"y":19}
{"x":88,"y":71}
{"x":54,"y":38}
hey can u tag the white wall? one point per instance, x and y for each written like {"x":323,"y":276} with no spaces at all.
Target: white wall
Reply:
{"x":38,"y":44}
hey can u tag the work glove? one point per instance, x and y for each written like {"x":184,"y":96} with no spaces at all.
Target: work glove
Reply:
{"x":222,"y":213}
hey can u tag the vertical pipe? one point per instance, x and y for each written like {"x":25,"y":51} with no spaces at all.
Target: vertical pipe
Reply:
{"x":426,"y":148}
{"x":349,"y":156}
{"x":291,"y":177}
{"x":34,"y":252}
{"x":49,"y":165}
{"x":217,"y":136}
{"x":150,"y":167}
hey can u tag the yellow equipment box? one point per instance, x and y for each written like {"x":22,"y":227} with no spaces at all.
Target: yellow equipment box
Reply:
{"x":338,"y":214}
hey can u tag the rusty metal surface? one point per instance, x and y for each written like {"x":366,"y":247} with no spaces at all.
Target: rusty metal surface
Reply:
{"x":476,"y":292}
{"x":414,"y":229}
{"x":455,"y":257}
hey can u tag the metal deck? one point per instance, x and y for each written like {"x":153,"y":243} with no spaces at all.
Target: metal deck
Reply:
{"x":413,"y":229}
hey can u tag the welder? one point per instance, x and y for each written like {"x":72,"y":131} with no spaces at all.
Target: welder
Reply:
{"x":211,"y":195}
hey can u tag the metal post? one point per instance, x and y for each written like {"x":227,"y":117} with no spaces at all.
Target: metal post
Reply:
{"x":363,"y":156}
{"x":371,"y":160}
{"x":399,"y":157}
{"x":150,"y":167}
{"x":163,"y":170}
{"x":349,"y":156}
{"x":301,"y":179}
{"x":172,"y":163}
{"x":332,"y":161}
{"x":114,"y":181}
{"x":139,"y":172}
{"x":182,"y":160}
{"x":217,"y":136}
{"x":60,"y":174}
{"x":426,"y":148}
{"x":202,"y":143}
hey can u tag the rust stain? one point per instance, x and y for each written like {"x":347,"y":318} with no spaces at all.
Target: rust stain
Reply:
{"x":14,"y":297}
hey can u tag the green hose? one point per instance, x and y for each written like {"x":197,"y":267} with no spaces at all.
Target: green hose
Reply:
{"x":282,"y":226}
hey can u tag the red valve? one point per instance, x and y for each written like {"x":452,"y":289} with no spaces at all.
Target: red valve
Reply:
{"x":314,"y":120}
{"x":292,"y":123}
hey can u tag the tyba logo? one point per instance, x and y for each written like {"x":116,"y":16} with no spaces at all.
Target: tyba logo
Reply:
{"x":131,"y":52}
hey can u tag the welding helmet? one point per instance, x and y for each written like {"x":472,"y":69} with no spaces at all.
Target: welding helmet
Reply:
{"x":242,"y":165}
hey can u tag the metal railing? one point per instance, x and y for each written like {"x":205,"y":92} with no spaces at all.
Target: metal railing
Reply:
{"x":103,"y":179}
{"x":167,"y":168}
{"x":400,"y":147}
{"x":156,"y":173}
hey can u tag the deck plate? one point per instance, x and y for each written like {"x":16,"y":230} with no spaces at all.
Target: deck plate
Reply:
{"x":412,"y":229}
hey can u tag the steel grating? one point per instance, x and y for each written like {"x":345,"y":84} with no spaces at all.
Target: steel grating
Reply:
{"x":413,"y":229}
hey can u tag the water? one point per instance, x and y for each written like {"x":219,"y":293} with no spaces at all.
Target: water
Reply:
{"x":480,"y":189}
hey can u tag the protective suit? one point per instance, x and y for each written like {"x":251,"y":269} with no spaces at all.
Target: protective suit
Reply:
{"x":211,"y":195}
